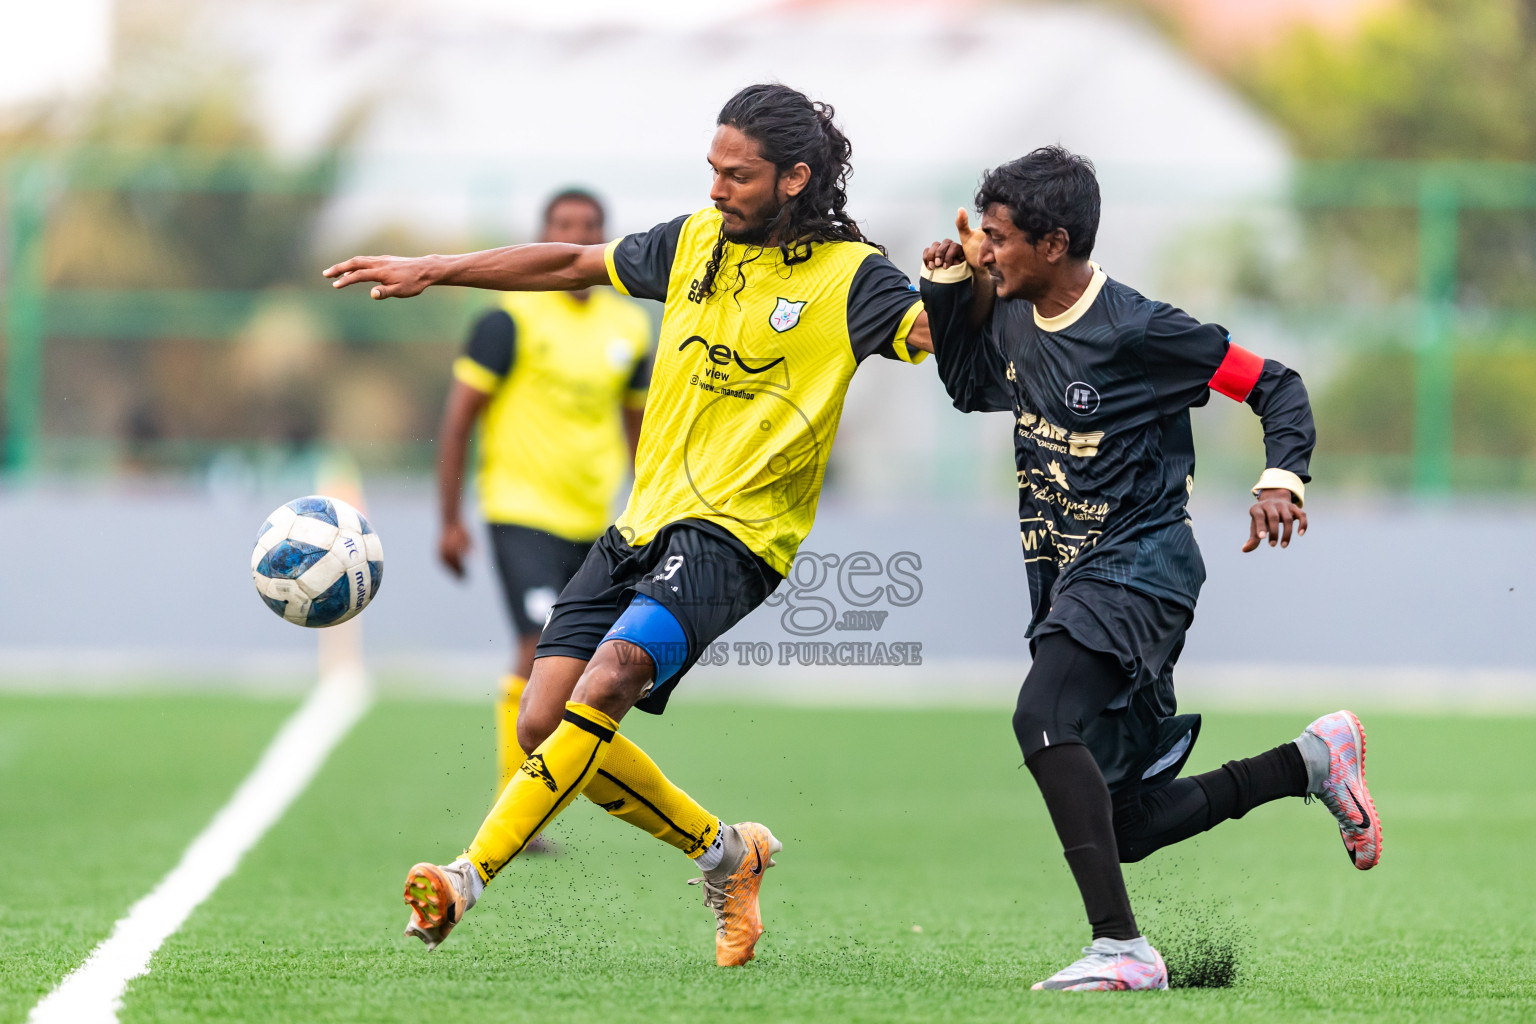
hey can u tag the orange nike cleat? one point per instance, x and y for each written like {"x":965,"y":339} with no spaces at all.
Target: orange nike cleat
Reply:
{"x":439,"y":897}
{"x":738,"y":921}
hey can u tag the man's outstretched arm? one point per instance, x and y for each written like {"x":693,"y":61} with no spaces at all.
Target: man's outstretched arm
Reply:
{"x":540,"y":267}
{"x":1280,"y":399}
{"x":1188,"y":360}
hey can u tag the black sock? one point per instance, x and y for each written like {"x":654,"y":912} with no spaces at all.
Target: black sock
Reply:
{"x":1079,"y":804}
{"x":1147,"y":822}
{"x":1237,"y":787}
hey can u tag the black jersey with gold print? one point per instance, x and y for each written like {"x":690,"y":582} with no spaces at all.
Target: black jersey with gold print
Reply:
{"x":1100,"y":397}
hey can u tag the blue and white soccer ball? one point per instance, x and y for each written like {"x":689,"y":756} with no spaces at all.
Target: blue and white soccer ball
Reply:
{"x":317,"y":561}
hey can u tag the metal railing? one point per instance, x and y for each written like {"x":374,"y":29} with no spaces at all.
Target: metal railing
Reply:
{"x":1431,"y":325}
{"x":1439,"y":192}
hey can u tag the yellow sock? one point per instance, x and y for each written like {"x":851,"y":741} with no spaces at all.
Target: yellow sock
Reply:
{"x":509,"y":756}
{"x":545,"y":784}
{"x":631,"y":787}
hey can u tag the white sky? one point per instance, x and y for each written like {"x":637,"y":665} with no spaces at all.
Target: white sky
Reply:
{"x":52,"y":46}
{"x":575,"y":13}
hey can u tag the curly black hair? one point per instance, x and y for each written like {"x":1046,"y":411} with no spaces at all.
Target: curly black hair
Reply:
{"x":1048,"y":189}
{"x":790,"y":128}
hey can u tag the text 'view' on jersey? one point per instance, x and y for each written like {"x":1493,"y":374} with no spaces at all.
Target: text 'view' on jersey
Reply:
{"x":749,"y":380}
{"x":1102,"y":444}
{"x":558,"y":370}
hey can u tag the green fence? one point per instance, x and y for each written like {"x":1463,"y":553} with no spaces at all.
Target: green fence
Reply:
{"x":35,"y":313}
{"x":1438,"y":194}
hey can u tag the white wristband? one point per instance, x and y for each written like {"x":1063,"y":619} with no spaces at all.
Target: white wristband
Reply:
{"x":1282,"y":478}
{"x":948,"y":275}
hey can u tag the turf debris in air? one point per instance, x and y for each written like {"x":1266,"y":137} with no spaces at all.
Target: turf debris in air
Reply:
{"x":1202,"y":941}
{"x":1202,"y":951}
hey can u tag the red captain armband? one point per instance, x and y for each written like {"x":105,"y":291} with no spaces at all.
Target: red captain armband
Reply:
{"x":1238,"y":373}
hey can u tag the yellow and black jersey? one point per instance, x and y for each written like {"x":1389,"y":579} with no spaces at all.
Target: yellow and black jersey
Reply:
{"x":558,"y":370}
{"x":749,"y":381}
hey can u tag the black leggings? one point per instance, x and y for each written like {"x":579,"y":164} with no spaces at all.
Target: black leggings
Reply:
{"x":1067,"y":687}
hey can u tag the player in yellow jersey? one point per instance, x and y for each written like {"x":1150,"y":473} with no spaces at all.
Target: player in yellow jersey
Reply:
{"x":549,"y":376}
{"x":772,"y":298}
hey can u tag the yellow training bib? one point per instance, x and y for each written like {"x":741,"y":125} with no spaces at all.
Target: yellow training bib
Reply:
{"x":552,"y":449}
{"x":747,"y":389}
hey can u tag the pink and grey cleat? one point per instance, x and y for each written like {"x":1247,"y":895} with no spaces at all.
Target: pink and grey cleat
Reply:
{"x":1344,"y":791}
{"x":1111,"y":965}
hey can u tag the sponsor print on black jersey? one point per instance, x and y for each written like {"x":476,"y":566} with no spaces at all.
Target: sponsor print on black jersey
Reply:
{"x":1082,"y":399}
{"x":1045,"y":434}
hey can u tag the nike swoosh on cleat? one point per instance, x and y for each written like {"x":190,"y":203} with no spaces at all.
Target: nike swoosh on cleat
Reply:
{"x":1365,"y":819}
{"x":759,"y":868}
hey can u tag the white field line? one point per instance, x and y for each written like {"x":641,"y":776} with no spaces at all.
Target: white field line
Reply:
{"x":93,"y":992}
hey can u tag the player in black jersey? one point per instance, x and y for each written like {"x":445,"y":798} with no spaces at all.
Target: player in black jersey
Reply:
{"x":1100,"y":381}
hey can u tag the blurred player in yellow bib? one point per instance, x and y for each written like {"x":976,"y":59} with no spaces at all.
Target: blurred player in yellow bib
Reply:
{"x":556,"y":381}
{"x":773,"y":297}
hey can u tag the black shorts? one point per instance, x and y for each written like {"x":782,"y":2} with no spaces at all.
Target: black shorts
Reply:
{"x":703,"y":575}
{"x":534,"y":567}
{"x":1134,"y":730}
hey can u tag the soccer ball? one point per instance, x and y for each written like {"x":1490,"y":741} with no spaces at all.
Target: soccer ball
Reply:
{"x":317,"y":561}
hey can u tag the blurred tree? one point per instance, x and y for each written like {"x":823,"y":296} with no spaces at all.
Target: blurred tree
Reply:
{"x":1451,"y":80}
{"x":164,"y":183}
{"x":1420,"y":80}
{"x":1424,"y":79}
{"x":170,"y":228}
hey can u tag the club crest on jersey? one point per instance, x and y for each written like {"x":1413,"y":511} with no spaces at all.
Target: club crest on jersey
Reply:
{"x":1082,"y":398}
{"x":785,"y":315}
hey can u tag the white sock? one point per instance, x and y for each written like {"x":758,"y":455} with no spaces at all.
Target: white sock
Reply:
{"x":1137,"y":949}
{"x":710,"y":858}
{"x":476,"y":886}
{"x":1315,"y":753}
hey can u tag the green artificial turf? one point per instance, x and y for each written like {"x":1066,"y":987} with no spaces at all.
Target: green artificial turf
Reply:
{"x":892,"y":821}
{"x":99,"y":796}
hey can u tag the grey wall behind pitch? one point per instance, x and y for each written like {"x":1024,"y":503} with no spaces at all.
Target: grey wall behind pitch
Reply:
{"x":163,"y":573}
